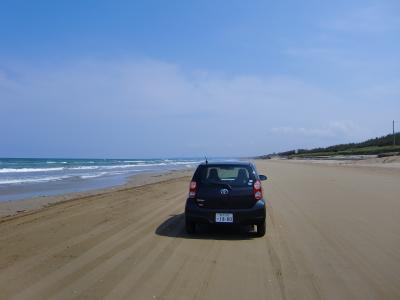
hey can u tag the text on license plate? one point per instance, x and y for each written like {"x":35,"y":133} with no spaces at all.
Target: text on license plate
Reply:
{"x":223,"y":218}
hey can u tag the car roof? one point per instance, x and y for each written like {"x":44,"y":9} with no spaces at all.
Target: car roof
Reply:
{"x":227,"y":163}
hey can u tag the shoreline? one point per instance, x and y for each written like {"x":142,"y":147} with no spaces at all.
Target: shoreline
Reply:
{"x":13,"y":208}
{"x":24,"y":178}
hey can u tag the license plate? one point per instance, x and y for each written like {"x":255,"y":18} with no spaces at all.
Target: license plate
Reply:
{"x":223,"y":218}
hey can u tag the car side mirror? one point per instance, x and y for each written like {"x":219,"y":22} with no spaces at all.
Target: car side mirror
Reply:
{"x":262,"y":177}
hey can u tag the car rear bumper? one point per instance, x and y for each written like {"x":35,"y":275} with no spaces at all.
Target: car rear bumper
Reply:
{"x":249,"y":216}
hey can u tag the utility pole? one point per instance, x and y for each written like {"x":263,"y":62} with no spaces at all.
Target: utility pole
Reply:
{"x":394,"y":137}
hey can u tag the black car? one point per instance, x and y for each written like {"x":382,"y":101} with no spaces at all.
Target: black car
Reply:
{"x":226,"y":193}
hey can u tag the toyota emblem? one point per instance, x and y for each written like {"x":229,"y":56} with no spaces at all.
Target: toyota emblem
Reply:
{"x":224,"y":192}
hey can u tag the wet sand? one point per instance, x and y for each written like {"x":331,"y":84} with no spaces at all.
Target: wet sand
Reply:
{"x":29,"y":205}
{"x":333,"y":232}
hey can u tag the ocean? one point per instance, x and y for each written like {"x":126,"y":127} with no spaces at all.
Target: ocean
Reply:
{"x":30,"y":177}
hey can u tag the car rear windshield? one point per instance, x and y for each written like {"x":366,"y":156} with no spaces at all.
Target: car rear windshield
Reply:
{"x":234,"y":175}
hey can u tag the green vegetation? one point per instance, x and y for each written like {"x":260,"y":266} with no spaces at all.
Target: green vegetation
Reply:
{"x":353,"y":151}
{"x":379,"y":145}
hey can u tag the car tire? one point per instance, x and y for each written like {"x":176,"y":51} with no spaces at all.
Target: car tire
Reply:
{"x":261,"y":229}
{"x":190,"y":226}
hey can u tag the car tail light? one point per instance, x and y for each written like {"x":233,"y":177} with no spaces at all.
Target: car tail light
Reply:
{"x":192,"y":189}
{"x":257,"y":189}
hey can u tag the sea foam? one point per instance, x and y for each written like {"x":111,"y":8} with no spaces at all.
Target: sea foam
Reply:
{"x":29,"y":170}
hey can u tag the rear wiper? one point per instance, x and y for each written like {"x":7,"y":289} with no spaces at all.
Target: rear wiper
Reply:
{"x":220,"y":183}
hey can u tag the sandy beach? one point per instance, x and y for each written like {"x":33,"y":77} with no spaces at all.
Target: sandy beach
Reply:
{"x":333,"y":232}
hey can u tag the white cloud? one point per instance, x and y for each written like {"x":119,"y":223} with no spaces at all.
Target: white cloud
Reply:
{"x":332,"y":129}
{"x":388,"y":91}
{"x":310,"y":52}
{"x":149,"y":108}
{"x":161,"y":89}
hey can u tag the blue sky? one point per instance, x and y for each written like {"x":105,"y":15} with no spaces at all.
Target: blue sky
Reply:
{"x":184,"y":78}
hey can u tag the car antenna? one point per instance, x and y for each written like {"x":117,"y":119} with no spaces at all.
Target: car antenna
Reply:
{"x":205,"y":156}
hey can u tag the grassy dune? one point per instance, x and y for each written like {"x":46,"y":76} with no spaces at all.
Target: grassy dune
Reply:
{"x":379,"y":145}
{"x":353,"y":151}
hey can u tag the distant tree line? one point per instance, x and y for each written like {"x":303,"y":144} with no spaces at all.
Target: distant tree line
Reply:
{"x":386,"y":140}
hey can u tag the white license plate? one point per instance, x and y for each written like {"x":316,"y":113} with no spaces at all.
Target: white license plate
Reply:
{"x":223,"y":218}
